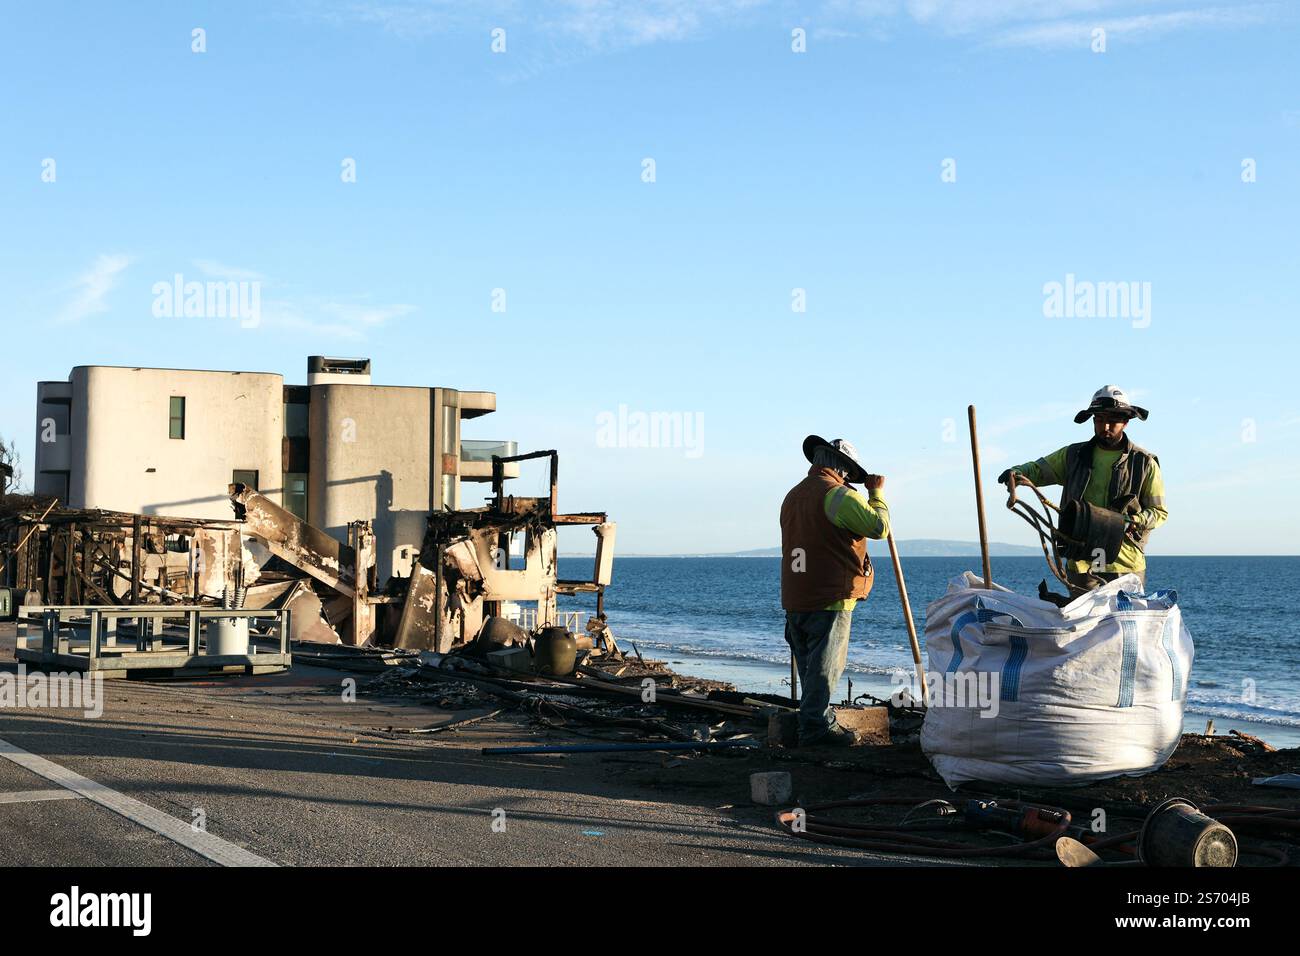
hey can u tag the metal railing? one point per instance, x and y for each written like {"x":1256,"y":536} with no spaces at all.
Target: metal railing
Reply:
{"x":80,"y":634}
{"x":575,"y":621}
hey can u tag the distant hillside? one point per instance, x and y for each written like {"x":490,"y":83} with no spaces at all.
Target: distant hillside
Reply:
{"x":941,"y":548}
{"x":908,"y":548}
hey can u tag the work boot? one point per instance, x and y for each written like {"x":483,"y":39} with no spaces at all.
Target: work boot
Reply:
{"x":836,"y":736}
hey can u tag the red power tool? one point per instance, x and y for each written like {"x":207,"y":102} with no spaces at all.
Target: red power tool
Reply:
{"x":1031,"y":823}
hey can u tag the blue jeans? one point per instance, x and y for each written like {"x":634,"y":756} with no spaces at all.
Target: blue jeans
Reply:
{"x":819,"y":641}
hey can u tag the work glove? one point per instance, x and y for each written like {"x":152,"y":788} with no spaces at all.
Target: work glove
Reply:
{"x":1005,"y":477}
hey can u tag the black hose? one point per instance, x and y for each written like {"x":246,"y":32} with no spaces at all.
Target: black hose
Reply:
{"x":818,"y":828}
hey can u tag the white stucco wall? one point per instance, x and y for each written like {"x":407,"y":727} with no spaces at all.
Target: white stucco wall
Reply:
{"x":373,"y":457}
{"x":233,"y":420}
{"x":374,"y":450}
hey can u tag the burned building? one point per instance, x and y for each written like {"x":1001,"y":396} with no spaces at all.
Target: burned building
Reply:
{"x":81,"y":557}
{"x":337,"y":450}
{"x":339,"y":501}
{"x":465,"y":573}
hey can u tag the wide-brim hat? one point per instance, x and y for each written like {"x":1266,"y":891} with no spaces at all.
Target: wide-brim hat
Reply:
{"x":1110,"y":398}
{"x":846,"y":452}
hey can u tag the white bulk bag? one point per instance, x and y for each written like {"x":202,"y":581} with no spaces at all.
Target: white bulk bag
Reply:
{"x":1024,"y":692}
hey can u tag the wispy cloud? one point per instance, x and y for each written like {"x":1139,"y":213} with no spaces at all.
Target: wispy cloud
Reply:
{"x":219,"y":270}
{"x":92,"y":288}
{"x":1042,"y":415}
{"x":575,"y":27}
{"x":603,"y":24}
{"x":331,"y":318}
{"x":597,"y":24}
{"x":403,"y":19}
{"x":345,"y":317}
{"x":1078,"y":33}
{"x":961,"y":16}
{"x":831,"y":33}
{"x":362,"y":316}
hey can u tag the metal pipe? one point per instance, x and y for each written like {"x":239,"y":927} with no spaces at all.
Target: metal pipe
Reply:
{"x":979,"y":497}
{"x":137,"y":529}
{"x":618,"y":747}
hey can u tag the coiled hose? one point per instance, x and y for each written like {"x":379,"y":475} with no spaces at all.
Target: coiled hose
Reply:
{"x":815,"y":825}
{"x":819,"y":828}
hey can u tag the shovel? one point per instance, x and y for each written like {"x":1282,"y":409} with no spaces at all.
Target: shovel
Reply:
{"x":1073,"y":854}
{"x":907,"y":614}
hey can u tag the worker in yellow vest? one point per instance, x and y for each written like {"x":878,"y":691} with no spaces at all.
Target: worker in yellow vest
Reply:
{"x":825,"y":571}
{"x":1110,"y":472}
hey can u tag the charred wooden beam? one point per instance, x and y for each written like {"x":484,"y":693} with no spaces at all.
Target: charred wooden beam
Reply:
{"x":288,"y":537}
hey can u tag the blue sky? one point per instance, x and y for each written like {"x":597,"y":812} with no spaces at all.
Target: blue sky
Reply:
{"x":774,"y":171}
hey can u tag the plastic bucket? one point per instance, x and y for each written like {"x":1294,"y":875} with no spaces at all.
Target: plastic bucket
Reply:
{"x":1178,"y":834}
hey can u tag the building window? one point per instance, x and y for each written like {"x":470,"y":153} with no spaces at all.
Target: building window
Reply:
{"x":58,"y":412}
{"x":296,"y":418}
{"x":295,"y":494}
{"x":241,"y":477}
{"x":177,"y":422}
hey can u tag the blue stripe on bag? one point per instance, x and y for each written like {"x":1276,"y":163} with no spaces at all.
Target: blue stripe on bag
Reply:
{"x":1167,"y":596}
{"x":1011,"y":669}
{"x":1128,"y":664}
{"x":981,"y":615}
{"x":957,"y":625}
{"x":1122,"y":602}
{"x":1167,"y":639}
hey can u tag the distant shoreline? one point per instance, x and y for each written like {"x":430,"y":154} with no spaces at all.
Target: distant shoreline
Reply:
{"x":975,"y":554}
{"x":907,"y":548}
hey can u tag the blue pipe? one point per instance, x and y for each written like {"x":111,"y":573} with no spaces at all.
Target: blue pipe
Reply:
{"x":614,"y":747}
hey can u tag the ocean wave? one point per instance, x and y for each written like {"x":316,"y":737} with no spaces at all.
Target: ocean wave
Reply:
{"x":1247,"y":714}
{"x":1230,"y":706}
{"x":1224,"y":706}
{"x":778,"y":660}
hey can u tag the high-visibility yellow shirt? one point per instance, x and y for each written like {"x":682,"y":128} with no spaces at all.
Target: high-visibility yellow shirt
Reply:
{"x":1050,"y":470}
{"x":866,"y":517}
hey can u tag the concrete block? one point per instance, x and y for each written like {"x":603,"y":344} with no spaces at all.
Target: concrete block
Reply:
{"x":511,"y":659}
{"x":770,"y":788}
{"x":870,"y":723}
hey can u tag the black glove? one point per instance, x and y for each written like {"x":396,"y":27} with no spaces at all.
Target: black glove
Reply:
{"x":1004,"y":477}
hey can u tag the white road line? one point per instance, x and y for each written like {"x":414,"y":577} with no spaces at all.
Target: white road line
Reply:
{"x":205,"y":844}
{"x":32,"y":796}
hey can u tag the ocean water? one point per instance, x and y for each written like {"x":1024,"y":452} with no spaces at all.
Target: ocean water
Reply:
{"x":723,"y":618}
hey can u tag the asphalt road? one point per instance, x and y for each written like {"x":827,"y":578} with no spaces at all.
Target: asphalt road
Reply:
{"x":284,"y":768}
